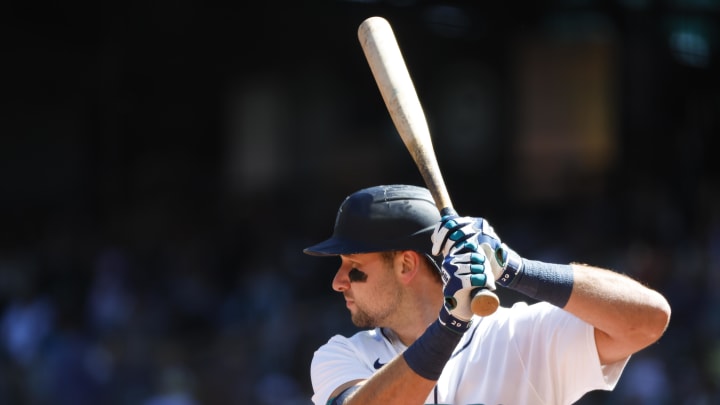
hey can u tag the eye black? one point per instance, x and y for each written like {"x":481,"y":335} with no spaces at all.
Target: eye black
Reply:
{"x":356,"y":275}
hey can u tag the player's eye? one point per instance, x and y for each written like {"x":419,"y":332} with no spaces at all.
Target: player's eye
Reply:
{"x":356,"y":275}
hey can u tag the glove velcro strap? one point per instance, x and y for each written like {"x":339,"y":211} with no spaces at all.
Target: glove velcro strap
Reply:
{"x":428,"y":355}
{"x":452,"y":323}
{"x":513,"y":265}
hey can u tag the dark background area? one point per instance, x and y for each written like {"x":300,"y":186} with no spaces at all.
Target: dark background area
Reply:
{"x":163,"y":164}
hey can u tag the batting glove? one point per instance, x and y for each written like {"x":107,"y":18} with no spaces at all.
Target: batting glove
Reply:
{"x":450,"y":231}
{"x":503,"y":262}
{"x":453,"y":232}
{"x":463,"y":271}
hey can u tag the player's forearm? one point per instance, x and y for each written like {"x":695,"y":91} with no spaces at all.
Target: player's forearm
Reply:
{"x":627,"y":316}
{"x":409,"y":378}
{"x":395,"y":383}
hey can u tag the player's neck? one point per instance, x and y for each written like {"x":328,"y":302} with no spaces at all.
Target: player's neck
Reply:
{"x":415,"y":320}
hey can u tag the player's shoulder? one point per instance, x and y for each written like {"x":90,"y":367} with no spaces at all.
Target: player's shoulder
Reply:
{"x":363,"y":335}
{"x":359,"y":339}
{"x":364,"y":347}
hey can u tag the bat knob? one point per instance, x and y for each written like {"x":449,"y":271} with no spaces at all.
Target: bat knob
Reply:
{"x":484,"y":302}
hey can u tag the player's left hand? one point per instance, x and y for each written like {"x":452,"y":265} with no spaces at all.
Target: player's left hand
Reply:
{"x":453,"y":232}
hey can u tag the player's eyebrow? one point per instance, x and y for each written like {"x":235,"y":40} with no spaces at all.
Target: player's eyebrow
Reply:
{"x":356,"y":275}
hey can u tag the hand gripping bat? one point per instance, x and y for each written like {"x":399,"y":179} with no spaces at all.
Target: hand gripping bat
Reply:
{"x":392,"y":77}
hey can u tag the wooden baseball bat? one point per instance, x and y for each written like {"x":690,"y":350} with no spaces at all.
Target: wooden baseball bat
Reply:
{"x":392,"y":77}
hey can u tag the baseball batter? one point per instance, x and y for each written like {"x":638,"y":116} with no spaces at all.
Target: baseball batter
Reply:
{"x":407,"y":275}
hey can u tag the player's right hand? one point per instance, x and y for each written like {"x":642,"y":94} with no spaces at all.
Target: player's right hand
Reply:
{"x":453,"y":231}
{"x":450,"y":231}
{"x":463,"y":271}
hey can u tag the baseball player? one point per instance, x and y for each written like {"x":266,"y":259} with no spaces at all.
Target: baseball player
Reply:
{"x":407,"y":274}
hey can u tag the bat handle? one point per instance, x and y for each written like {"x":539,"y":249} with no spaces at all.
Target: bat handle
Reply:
{"x":484,"y":301}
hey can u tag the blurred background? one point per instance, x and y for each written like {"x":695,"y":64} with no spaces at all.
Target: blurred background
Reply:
{"x":163,"y":164}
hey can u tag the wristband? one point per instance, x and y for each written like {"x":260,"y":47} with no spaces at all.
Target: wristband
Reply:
{"x":547,"y":282}
{"x":429,"y":353}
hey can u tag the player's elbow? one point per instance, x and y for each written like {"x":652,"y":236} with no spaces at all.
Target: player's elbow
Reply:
{"x":658,"y":317}
{"x":645,"y":329}
{"x":650,"y":324}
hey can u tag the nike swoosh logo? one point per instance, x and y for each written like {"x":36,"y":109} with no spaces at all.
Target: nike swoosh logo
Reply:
{"x":377,"y":364}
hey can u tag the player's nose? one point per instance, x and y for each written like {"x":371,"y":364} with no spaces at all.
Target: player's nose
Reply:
{"x":341,"y":281}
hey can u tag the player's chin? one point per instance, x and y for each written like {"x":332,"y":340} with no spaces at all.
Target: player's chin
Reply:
{"x":361,"y":320}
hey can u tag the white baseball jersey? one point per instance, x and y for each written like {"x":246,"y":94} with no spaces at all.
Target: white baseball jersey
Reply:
{"x":527,"y":354}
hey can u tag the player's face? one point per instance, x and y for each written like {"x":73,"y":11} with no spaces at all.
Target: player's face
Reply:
{"x":371,"y":291}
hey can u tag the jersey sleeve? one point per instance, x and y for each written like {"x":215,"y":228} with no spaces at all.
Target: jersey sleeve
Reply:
{"x":333,"y":364}
{"x":569,"y":353}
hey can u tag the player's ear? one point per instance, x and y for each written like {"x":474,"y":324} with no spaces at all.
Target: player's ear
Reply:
{"x":408,"y":262}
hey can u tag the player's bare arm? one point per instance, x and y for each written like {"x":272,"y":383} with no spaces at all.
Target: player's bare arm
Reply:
{"x":627,"y":316}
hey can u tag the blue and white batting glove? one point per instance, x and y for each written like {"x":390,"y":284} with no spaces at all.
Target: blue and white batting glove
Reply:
{"x":503,"y":262}
{"x":463,"y":271}
{"x":453,"y":231}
